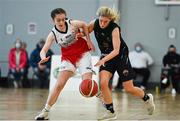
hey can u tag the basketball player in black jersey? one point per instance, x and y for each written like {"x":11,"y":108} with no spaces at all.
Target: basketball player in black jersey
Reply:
{"x":114,"y":57}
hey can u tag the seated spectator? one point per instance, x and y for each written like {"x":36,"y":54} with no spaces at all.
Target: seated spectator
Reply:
{"x":171,"y":70}
{"x":41,"y":72}
{"x":17,"y":63}
{"x":26,"y":82}
{"x":140,"y":61}
{"x":0,"y":72}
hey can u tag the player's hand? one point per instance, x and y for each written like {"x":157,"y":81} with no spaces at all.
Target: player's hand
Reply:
{"x":100,"y":63}
{"x":90,"y":46}
{"x":79,"y":34}
{"x":44,"y":60}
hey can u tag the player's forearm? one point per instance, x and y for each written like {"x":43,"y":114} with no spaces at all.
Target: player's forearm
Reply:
{"x":43,"y":54}
{"x":110,"y":55}
{"x":86,"y":33}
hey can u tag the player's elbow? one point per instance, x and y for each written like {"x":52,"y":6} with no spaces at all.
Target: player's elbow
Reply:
{"x":116,"y":52}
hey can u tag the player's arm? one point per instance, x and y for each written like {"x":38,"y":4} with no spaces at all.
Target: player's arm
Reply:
{"x":116,"y":47}
{"x":91,"y":26}
{"x":83,"y":25}
{"x":90,"y":29}
{"x":46,"y":47}
{"x":116,"y":44}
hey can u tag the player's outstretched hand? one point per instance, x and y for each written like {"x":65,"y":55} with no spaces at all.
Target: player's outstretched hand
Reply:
{"x":44,"y":60}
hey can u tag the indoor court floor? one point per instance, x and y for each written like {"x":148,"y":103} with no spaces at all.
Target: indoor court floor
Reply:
{"x":25,"y":104}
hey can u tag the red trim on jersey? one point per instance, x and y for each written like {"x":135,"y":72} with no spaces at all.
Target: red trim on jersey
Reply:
{"x":74,"y":52}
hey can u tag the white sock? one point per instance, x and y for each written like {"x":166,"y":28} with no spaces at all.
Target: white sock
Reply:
{"x":47,"y":107}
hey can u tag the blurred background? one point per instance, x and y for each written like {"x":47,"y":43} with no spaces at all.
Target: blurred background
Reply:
{"x":154,"y":26}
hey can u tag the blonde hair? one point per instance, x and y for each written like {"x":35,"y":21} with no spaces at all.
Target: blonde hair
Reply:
{"x":111,"y":13}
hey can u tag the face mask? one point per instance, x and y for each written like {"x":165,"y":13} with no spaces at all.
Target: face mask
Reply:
{"x":138,"y":49}
{"x":18,"y":45}
{"x":172,"y":53}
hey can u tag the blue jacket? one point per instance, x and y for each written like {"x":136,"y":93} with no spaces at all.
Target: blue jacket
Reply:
{"x":35,"y":57}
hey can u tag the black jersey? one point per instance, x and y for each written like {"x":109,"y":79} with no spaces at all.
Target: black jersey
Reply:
{"x":121,"y":62}
{"x":104,"y":38}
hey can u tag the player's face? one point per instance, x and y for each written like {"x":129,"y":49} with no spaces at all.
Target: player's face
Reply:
{"x":104,"y":21}
{"x":59,"y":20}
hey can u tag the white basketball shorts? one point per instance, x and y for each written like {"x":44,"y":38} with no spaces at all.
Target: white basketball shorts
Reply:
{"x":83,"y":66}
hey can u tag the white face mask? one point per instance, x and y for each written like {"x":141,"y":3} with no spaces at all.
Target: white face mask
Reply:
{"x":18,"y":45}
{"x":138,"y":49}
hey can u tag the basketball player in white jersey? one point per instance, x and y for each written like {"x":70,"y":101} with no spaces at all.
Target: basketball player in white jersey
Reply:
{"x":75,"y":54}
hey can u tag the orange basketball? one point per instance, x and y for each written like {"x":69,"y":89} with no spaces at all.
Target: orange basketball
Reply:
{"x":88,"y":88}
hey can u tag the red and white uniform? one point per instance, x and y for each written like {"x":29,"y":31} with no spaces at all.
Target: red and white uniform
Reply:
{"x":72,"y":50}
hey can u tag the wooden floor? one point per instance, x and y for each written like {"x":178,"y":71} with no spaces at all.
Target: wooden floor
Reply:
{"x":24,"y":104}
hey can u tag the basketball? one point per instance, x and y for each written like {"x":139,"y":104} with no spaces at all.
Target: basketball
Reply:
{"x":88,"y":88}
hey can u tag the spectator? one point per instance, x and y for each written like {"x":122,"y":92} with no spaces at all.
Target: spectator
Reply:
{"x":41,"y":72}
{"x":0,"y":72}
{"x":140,"y":61}
{"x":26,"y":82}
{"x":171,"y":70}
{"x":17,"y":63}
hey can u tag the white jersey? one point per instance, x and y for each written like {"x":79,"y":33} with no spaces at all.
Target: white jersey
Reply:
{"x":140,"y":60}
{"x":66,"y":38}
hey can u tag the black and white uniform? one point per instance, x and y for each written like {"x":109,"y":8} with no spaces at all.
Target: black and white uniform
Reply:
{"x":119,"y":63}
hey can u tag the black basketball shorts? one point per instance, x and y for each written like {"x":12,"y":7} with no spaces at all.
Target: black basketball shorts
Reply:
{"x":122,"y":66}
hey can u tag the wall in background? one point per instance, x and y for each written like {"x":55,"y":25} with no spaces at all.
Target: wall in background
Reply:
{"x":141,"y":21}
{"x":21,"y":12}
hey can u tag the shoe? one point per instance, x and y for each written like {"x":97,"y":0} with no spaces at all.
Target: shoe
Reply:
{"x":43,"y":115}
{"x":150,"y":104}
{"x":108,"y":116}
{"x":173,"y":92}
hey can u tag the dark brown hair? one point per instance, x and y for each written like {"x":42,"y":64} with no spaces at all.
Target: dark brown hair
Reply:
{"x":57,"y":11}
